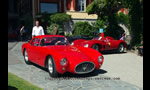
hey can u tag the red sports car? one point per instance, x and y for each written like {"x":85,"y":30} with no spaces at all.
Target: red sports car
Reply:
{"x":56,"y":54}
{"x":107,"y":43}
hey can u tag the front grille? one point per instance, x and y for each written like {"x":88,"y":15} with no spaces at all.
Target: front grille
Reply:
{"x":84,"y":67}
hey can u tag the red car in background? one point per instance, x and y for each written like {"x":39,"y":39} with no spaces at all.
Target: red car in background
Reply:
{"x":105,"y":44}
{"x":58,"y":56}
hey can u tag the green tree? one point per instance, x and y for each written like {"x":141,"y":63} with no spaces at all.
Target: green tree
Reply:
{"x":122,"y":18}
{"x":106,"y":9}
{"x":136,"y":20}
{"x":109,"y":8}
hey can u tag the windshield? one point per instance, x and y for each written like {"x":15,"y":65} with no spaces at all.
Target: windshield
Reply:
{"x":53,"y":41}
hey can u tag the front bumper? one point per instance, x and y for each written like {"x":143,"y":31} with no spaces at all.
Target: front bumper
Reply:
{"x":84,"y":67}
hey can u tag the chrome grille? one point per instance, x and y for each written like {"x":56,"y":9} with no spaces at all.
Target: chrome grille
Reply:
{"x":84,"y":67}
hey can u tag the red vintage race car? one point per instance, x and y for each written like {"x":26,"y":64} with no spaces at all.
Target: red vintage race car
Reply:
{"x":105,"y":44}
{"x":56,"y":54}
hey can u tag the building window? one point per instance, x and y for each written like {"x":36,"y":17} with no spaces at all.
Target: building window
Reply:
{"x":48,"y":7}
{"x":81,"y":5}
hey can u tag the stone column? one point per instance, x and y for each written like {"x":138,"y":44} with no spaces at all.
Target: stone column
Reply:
{"x":71,"y":9}
{"x":84,"y":5}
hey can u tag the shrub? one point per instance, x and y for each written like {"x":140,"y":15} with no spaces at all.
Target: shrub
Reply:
{"x":60,"y":18}
{"x":49,"y":20}
{"x":68,"y":34}
{"x":83,"y":29}
{"x":50,"y":29}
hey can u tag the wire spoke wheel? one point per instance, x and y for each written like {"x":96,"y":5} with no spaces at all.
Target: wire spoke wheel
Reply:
{"x":50,"y":65}
{"x":121,"y":48}
{"x":26,"y":58}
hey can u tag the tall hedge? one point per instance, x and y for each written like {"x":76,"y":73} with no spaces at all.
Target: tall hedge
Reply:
{"x":60,"y":18}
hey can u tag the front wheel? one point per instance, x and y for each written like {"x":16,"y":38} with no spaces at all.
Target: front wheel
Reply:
{"x":26,"y":59}
{"x":121,"y":48}
{"x":51,"y":67}
{"x":96,"y":47}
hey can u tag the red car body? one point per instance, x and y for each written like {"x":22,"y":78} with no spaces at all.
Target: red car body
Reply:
{"x":75,"y":55}
{"x":107,"y":43}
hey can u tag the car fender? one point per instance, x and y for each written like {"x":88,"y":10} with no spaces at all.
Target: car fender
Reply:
{"x":56,"y":56}
{"x":24,"y":46}
{"x":121,"y":41}
{"x":98,"y":42}
{"x":90,"y":43}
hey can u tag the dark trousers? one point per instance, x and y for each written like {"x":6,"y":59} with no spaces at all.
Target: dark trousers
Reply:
{"x":140,"y":50}
{"x":22,"y":37}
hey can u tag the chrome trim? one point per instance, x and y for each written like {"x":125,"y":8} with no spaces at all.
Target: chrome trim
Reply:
{"x":84,"y":72}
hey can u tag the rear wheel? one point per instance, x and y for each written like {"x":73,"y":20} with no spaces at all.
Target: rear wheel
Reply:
{"x":51,"y":67}
{"x":121,"y":48}
{"x":26,"y":59}
{"x":96,"y":47}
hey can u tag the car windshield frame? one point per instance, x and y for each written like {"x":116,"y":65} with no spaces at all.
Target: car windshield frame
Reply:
{"x":51,"y":41}
{"x":35,"y":43}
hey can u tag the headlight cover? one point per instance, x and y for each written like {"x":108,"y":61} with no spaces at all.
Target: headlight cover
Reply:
{"x":86,"y":45}
{"x":72,"y":43}
{"x":63,"y":61}
{"x":100,"y":58}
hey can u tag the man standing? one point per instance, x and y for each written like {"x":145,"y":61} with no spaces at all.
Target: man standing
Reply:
{"x":37,"y":30}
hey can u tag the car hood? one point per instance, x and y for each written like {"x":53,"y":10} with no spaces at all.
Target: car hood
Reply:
{"x":72,"y":53}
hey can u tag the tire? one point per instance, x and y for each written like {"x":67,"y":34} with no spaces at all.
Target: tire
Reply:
{"x":26,"y":59}
{"x":121,"y":48}
{"x":96,"y":47}
{"x":51,"y":67}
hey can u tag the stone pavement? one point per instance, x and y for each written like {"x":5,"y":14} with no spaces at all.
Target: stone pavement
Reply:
{"x":11,"y":44}
{"x":12,"y":58}
{"x":40,"y":77}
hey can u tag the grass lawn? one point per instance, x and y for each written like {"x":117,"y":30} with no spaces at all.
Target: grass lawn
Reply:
{"x":17,"y":83}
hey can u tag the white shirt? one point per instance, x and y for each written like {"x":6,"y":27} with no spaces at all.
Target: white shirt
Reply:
{"x":37,"y":31}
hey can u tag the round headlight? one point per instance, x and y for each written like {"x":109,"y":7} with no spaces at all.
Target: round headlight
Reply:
{"x":63,"y":61}
{"x":100,"y":58}
{"x":86,"y":45}
{"x":72,"y":43}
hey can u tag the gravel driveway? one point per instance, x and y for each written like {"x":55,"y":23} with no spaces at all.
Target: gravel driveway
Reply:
{"x":119,"y":72}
